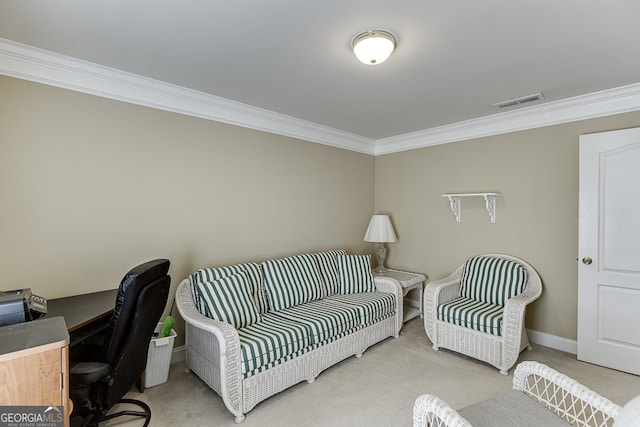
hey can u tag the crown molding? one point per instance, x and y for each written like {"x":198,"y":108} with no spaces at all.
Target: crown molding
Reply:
{"x":597,"y":104}
{"x":42,"y":66}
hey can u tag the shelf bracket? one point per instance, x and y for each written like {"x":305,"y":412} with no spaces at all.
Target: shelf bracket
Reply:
{"x":455,"y":201}
{"x":490,"y":203}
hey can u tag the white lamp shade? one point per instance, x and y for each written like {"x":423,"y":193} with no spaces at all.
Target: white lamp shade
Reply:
{"x":380,"y":230}
{"x":374,"y":47}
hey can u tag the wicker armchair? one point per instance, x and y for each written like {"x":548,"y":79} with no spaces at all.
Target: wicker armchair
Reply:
{"x":545,"y":397}
{"x":505,"y":339}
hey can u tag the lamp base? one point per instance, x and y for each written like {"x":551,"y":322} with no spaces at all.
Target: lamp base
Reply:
{"x":381,"y":254}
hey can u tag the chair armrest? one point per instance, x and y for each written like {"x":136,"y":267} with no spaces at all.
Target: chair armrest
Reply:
{"x":429,"y":410}
{"x":217,"y":341}
{"x":513,"y":324}
{"x":514,"y":310}
{"x":566,"y":397}
{"x":436,"y":293}
{"x":85,"y":373}
{"x":443,"y":290}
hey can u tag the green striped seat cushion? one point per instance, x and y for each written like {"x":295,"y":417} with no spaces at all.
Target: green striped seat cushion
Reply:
{"x":354,"y":272}
{"x":270,"y":340}
{"x":254,"y":273}
{"x":323,"y":318}
{"x":228,"y":300}
{"x":298,"y":353}
{"x":372,"y":306}
{"x":328,"y":266}
{"x":277,"y":362}
{"x":492,"y":280}
{"x":292,"y":281}
{"x":473,"y":314}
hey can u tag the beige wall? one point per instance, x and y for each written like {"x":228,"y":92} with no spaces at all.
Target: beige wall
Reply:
{"x":90,"y":187}
{"x":537,"y":219}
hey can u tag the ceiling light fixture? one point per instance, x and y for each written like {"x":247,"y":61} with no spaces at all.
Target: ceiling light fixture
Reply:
{"x":373,"y":47}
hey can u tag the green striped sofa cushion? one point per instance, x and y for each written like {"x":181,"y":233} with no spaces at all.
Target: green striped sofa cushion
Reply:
{"x":292,"y":281}
{"x":254,"y":272}
{"x":277,"y":362}
{"x":228,"y":300}
{"x":273,"y":339}
{"x":372,"y":306}
{"x":492,"y":280}
{"x":328,"y":266}
{"x":473,"y":314}
{"x":355,"y":274}
{"x":324,"y":318}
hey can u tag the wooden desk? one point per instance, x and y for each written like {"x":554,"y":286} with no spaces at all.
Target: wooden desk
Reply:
{"x":34,"y":364}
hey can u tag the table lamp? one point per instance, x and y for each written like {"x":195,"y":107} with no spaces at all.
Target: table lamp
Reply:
{"x":380,"y":231}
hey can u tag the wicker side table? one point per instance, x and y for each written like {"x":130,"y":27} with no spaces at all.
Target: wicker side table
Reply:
{"x":409,"y":282}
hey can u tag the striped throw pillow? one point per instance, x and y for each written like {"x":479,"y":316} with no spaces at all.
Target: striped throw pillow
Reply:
{"x":492,"y":280}
{"x":354,"y":272}
{"x":328,"y":266}
{"x":254,"y":273}
{"x":292,"y":281}
{"x":228,"y":300}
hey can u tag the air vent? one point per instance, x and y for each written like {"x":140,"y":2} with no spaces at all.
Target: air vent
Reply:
{"x":518,"y":101}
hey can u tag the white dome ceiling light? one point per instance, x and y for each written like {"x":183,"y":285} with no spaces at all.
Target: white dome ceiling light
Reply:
{"x":373,"y":47}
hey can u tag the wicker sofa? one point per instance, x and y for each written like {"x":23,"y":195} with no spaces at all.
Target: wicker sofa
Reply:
{"x":253,"y":330}
{"x":541,"y":396}
{"x":479,"y":310}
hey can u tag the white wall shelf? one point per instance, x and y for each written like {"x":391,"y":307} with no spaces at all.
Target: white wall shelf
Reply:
{"x":455,"y":200}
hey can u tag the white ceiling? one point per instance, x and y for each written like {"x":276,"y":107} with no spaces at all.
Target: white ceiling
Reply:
{"x":453,"y":60}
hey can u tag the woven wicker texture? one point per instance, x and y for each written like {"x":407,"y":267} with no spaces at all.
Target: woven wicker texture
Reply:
{"x":213,"y":353}
{"x":559,"y":394}
{"x":500,"y":351}
{"x":564,"y":396}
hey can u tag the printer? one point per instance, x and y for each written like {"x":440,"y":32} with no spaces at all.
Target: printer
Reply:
{"x":19,"y":306}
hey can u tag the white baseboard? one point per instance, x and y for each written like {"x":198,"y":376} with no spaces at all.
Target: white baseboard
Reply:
{"x":178,"y":354}
{"x":553,"y":341}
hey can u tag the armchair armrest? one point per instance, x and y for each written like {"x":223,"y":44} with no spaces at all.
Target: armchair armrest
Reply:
{"x":429,"y":410}
{"x":566,"y":397}
{"x":439,"y":292}
{"x":513,"y":320}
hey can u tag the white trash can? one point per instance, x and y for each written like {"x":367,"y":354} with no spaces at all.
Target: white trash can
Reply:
{"x":159,"y":358}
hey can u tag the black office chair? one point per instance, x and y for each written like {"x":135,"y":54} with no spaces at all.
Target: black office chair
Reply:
{"x":100,"y":375}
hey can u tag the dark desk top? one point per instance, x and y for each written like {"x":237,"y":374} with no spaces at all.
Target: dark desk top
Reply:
{"x":15,"y":340}
{"x":80,"y":310}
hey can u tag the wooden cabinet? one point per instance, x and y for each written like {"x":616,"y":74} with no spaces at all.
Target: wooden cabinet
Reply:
{"x":34,"y":361}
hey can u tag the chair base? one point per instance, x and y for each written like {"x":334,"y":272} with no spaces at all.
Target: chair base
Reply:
{"x":96,"y":418}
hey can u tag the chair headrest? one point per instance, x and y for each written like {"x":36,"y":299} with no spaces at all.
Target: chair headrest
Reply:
{"x":147,"y":272}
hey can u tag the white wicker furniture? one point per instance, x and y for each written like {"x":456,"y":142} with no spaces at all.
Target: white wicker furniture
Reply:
{"x":548,"y":393}
{"x":500,"y":350}
{"x":213,"y":353}
{"x":409,"y":282}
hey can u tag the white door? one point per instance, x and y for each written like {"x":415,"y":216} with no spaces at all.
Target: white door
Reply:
{"x":609,"y":250}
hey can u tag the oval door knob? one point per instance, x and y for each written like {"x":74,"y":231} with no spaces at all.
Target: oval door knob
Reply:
{"x":587,"y":260}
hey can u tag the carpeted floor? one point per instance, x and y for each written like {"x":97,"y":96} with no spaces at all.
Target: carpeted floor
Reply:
{"x":376,"y":390}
